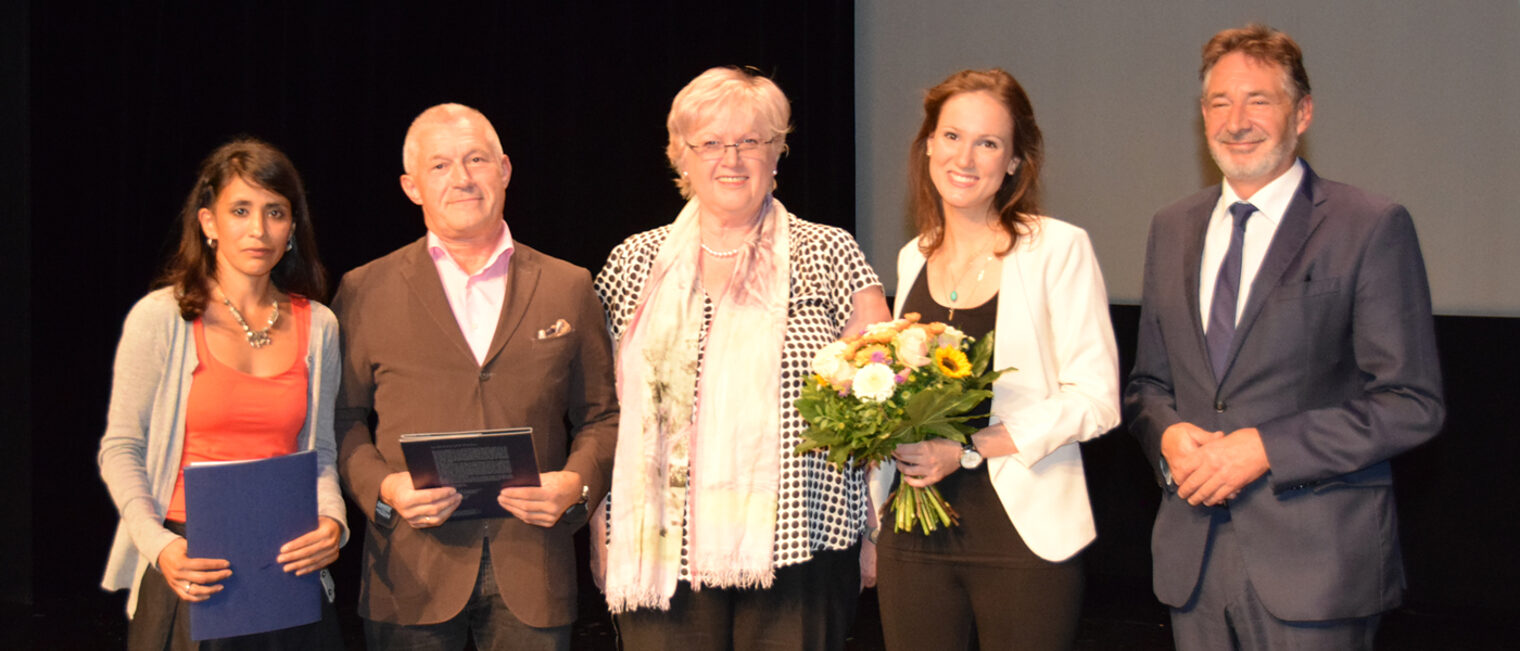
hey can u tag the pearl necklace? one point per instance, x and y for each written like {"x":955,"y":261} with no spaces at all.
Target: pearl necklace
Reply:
{"x":753,"y":225}
{"x":722,"y":254}
{"x":259,"y":338}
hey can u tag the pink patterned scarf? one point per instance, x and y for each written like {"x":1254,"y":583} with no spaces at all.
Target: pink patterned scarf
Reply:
{"x":721,"y":466}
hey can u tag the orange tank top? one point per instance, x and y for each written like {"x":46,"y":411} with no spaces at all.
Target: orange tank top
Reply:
{"x":234,"y":416}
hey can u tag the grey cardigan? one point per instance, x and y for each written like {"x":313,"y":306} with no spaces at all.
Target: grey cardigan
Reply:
{"x":143,"y":444}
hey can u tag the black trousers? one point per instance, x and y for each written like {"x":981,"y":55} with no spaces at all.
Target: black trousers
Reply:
{"x":941,"y":605}
{"x":809,"y":607}
{"x":976,"y":579}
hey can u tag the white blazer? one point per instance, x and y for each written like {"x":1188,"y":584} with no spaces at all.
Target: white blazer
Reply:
{"x":1053,"y":326}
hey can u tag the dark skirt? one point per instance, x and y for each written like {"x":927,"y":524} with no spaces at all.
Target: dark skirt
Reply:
{"x":162,"y":623}
{"x":809,"y":607}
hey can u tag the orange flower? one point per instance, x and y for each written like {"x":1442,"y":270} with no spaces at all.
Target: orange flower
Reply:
{"x":876,"y":353}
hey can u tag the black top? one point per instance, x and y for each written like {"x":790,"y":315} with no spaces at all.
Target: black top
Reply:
{"x":976,"y":321}
{"x":984,"y":535}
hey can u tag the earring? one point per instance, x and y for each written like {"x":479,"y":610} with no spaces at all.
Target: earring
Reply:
{"x":683,"y":174}
{"x":210,"y":242}
{"x":290,"y":244}
{"x":773,"y":172}
{"x":928,"y":151}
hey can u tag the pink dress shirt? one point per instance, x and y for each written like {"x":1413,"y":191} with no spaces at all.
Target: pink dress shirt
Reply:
{"x":475,"y":298}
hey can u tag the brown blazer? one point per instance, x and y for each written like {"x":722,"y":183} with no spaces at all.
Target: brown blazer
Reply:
{"x":406,"y":365}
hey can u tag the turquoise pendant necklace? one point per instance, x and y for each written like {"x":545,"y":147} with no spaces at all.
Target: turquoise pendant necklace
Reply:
{"x":955,"y":295}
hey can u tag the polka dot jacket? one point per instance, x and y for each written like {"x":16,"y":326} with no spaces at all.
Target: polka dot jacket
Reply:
{"x":819,"y":507}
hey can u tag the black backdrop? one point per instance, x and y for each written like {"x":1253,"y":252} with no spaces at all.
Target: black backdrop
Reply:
{"x":126,"y":98}
{"x":115,"y":104}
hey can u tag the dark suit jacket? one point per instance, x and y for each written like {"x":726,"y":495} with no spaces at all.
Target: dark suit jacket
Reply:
{"x":1334,"y":361}
{"x":406,"y":362}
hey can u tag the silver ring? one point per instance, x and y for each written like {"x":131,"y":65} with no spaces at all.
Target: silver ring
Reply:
{"x":187,"y":587}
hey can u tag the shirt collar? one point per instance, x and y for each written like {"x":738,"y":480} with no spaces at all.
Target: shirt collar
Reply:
{"x":1273,"y":198}
{"x":501,"y":253}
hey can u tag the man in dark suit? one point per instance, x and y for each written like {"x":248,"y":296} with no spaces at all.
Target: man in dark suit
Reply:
{"x":466,"y":329}
{"x":1286,"y":353}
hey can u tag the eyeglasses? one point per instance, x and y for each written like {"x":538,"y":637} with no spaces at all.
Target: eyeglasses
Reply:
{"x":713,"y":149}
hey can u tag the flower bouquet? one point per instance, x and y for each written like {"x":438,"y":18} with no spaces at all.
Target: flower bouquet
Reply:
{"x":898,"y":382}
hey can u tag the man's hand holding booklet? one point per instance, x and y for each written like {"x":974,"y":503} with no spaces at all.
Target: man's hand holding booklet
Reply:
{"x":478,"y":464}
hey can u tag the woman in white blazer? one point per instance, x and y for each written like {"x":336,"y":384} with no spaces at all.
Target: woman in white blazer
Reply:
{"x":984,"y":259}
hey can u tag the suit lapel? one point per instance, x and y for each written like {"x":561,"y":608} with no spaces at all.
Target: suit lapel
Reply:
{"x":1192,"y":263}
{"x":1298,"y":223}
{"x":421,"y":276}
{"x":523,"y":271}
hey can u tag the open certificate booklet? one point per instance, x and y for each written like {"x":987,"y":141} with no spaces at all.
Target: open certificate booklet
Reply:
{"x":478,"y":464}
{"x":243,"y":511}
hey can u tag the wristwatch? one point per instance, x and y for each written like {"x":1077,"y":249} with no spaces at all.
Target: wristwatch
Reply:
{"x":580,"y":505}
{"x":385,"y":516}
{"x":970,"y":457}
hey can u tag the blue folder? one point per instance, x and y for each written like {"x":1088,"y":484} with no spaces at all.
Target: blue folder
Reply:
{"x":243,"y":512}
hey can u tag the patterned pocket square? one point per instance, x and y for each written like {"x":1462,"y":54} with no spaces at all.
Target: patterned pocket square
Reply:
{"x":560,"y":328}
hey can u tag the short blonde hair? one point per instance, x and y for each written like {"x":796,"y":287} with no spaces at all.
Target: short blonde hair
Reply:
{"x":444,"y":113}
{"x":726,"y":88}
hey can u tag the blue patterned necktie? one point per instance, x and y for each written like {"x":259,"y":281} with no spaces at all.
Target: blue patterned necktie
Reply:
{"x":1221,"y":331}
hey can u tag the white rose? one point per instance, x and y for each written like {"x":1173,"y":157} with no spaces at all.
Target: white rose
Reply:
{"x":827,"y":357}
{"x":831,"y":364}
{"x":951,"y":337}
{"x":874,"y":382}
{"x":882,"y":331}
{"x":913,"y":347}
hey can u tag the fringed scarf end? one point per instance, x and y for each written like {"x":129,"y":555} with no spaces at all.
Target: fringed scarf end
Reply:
{"x":735,"y":578}
{"x":622,"y":601}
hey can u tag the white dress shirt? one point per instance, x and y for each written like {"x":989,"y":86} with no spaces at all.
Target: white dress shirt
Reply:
{"x":1271,"y":203}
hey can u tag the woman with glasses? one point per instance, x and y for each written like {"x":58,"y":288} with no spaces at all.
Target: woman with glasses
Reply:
{"x":719,"y":536}
{"x":985,"y":258}
{"x":231,"y":358}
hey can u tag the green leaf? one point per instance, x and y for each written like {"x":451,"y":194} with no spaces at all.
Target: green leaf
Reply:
{"x":931,"y":403}
{"x":808,"y":445}
{"x":952,"y":431}
{"x":981,"y":353}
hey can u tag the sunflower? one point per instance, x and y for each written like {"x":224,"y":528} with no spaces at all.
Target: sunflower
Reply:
{"x":951,"y":362}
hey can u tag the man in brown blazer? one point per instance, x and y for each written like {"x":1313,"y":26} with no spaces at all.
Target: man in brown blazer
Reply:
{"x":466,"y":329}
